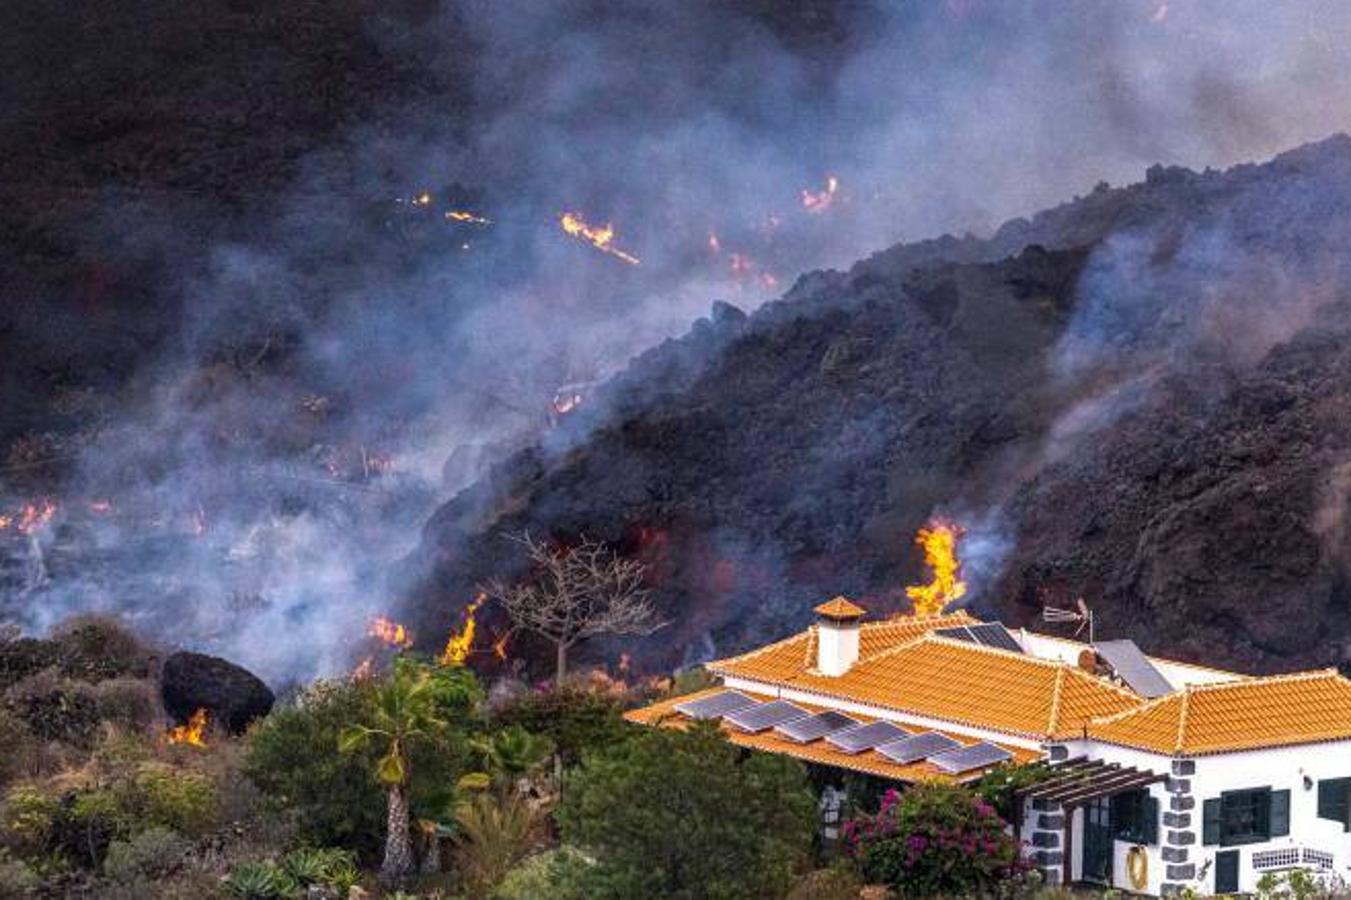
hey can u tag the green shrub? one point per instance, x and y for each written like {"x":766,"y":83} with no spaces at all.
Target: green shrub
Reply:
{"x":30,"y":816}
{"x":24,"y":657}
{"x":262,"y":881}
{"x":934,"y":839}
{"x":94,"y":818}
{"x":494,"y":835}
{"x":16,"y":878}
{"x":1000,"y":786}
{"x":552,"y":875}
{"x":152,"y":854}
{"x":54,"y":709}
{"x":183,"y":800}
{"x":292,"y":758}
{"x":682,"y":814}
{"x":96,"y":648}
{"x":575,"y":718}
{"x":127,"y":702}
{"x":18,"y":749}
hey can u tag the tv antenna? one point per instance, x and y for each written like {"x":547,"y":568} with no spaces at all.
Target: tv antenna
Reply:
{"x":1080,"y":614}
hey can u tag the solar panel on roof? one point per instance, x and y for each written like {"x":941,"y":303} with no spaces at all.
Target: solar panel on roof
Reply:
{"x":817,"y":726}
{"x":987,"y":634}
{"x":964,"y":759}
{"x":865,"y":737}
{"x":765,"y":715}
{"x":715,"y":705}
{"x":1130,"y":662}
{"x":917,"y":747}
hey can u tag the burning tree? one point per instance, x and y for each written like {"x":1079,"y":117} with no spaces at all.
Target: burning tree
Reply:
{"x":576,"y":593}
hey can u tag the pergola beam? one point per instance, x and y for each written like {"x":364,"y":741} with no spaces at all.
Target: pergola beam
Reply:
{"x":1109,"y":788}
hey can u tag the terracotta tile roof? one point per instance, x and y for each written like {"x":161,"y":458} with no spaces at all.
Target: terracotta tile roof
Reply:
{"x":1273,"y":711}
{"x":954,"y":681}
{"x":663,"y":713}
{"x":840,"y":608}
{"x":792,"y":656}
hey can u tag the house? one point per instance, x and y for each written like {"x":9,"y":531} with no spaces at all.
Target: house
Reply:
{"x":1164,"y":775}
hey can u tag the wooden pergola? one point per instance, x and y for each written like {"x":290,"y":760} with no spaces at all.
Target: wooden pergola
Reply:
{"x":1078,"y":781}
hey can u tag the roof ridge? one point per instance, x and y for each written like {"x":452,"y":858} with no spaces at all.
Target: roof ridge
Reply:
{"x":1254,"y":680}
{"x":902,"y":619}
{"x":759,"y":651}
{"x":1054,"y":724}
{"x":1135,"y":711}
{"x":1182,"y":718}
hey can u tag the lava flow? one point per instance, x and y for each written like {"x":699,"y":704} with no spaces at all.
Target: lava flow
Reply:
{"x":600,"y":237}
{"x":192,"y":733}
{"x":939,"y":540}
{"x":461,"y":215}
{"x":390,"y":632}
{"x":460,"y":643}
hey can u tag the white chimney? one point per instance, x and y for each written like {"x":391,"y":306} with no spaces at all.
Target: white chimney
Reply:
{"x":837,"y":625}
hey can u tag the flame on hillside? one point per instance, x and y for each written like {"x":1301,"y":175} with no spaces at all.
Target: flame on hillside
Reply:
{"x":820,"y":201}
{"x":600,"y":237}
{"x":462,"y":215}
{"x":193,"y":733}
{"x":31,"y":519}
{"x":390,"y":633}
{"x":461,"y":642}
{"x":939,"y":540}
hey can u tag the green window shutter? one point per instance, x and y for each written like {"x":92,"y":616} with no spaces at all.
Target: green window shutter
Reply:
{"x":1210,"y":821}
{"x":1151,"y":820}
{"x":1334,"y":800}
{"x":1279,"y":817}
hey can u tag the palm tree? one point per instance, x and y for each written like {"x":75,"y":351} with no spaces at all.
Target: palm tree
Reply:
{"x":409,"y":706}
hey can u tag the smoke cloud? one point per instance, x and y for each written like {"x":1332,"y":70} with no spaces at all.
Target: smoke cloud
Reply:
{"x":350,"y":357}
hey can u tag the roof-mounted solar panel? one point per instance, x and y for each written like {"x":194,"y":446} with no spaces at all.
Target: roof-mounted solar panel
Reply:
{"x":765,"y":715}
{"x":865,"y":737}
{"x":1134,"y":668}
{"x":964,"y":759}
{"x":818,"y":726}
{"x":714,"y":706}
{"x":917,"y":747}
{"x":987,"y":634}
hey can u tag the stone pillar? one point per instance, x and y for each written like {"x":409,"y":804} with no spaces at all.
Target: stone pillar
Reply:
{"x":1046,"y":839}
{"x":1181,"y":823}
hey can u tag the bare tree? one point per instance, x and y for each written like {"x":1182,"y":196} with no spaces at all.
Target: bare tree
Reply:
{"x":576,"y":593}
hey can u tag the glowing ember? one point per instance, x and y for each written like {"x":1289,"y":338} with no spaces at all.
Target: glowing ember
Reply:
{"x":390,"y":633}
{"x":500,"y":645}
{"x":599,"y":237}
{"x":565,"y":403}
{"x":101,"y":507}
{"x":820,"y":201}
{"x":460,"y":643}
{"x":714,"y":245}
{"x":422,"y":199}
{"x":364,"y":670}
{"x":460,"y":215}
{"x":939,"y":541}
{"x":192,"y":733}
{"x":35,"y":516}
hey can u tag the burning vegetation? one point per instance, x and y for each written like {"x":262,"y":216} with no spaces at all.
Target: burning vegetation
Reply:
{"x":390,"y":633}
{"x":939,"y":540}
{"x":192,"y":733}
{"x":460,"y":643}
{"x":601,"y":237}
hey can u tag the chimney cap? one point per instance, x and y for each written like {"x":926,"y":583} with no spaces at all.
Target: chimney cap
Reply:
{"x":841,"y":609}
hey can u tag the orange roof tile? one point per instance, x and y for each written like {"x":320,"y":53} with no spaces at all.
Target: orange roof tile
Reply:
{"x":958,"y":682}
{"x":792,"y":656}
{"x":840,"y":608}
{"x":663,"y":713}
{"x":1273,"y":711}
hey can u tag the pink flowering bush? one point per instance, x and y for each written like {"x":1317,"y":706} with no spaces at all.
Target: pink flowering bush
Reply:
{"x":934,"y":839}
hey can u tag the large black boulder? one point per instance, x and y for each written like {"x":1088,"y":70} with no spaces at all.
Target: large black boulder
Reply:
{"x":232,"y":695}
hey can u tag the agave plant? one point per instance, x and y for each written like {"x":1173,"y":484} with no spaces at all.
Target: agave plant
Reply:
{"x":325,"y":866}
{"x":262,"y":881}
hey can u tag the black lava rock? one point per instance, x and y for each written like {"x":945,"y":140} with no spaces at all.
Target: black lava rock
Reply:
{"x":232,"y":695}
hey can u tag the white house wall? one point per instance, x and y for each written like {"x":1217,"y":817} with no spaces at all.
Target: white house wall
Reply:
{"x":1278,"y":768}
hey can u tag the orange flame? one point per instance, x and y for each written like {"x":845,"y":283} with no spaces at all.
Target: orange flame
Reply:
{"x":460,"y":643}
{"x":191,"y":733}
{"x":939,"y":541}
{"x":461,"y":215}
{"x":565,"y":402}
{"x":364,"y":670}
{"x":390,"y":632}
{"x":35,"y":516}
{"x":820,"y":201}
{"x":101,"y":507}
{"x":500,"y":646}
{"x":601,"y":237}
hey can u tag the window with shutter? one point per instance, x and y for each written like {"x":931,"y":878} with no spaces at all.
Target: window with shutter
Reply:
{"x":1210,"y":821}
{"x":1278,"y":819}
{"x":1151,"y":829}
{"x":1334,"y":801}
